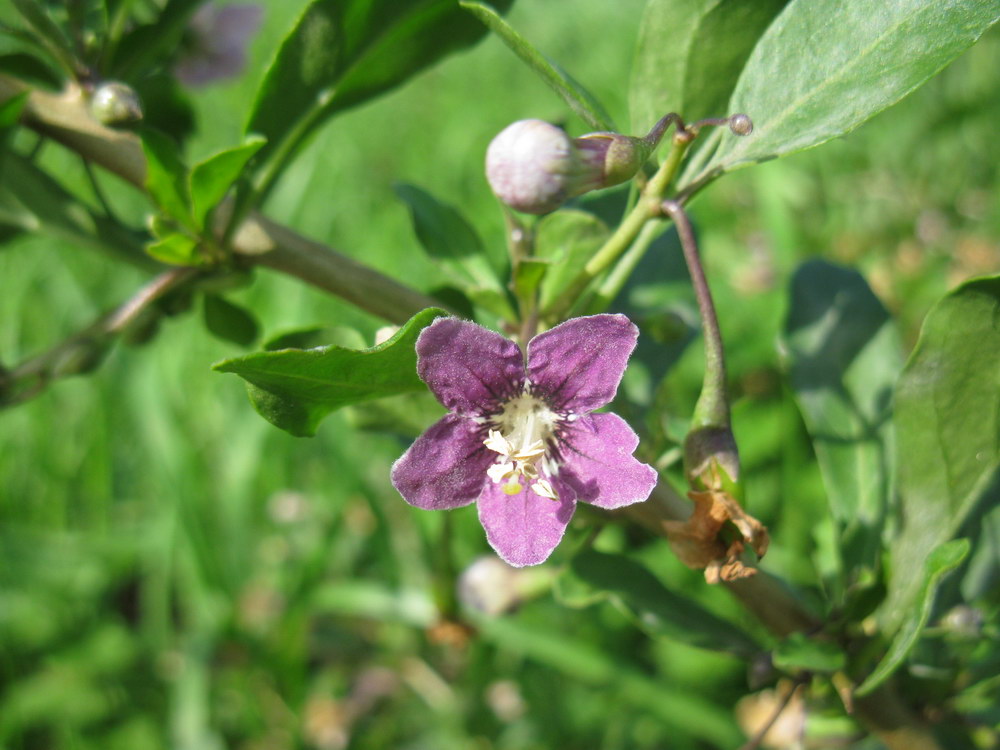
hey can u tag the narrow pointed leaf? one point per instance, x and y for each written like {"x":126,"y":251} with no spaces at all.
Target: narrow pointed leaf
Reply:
{"x":212,"y":178}
{"x":941,"y":561}
{"x":166,"y":177}
{"x":176,"y":249}
{"x":581,"y":101}
{"x":453,"y":244}
{"x":295,"y":389}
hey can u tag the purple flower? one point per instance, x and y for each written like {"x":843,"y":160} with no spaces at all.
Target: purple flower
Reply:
{"x":520,"y":439}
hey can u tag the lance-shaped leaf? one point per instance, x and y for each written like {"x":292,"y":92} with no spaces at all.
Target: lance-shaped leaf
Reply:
{"x":825,"y":66}
{"x":211,"y":179}
{"x":947,"y":422}
{"x":454,"y":245}
{"x":593,"y":576}
{"x":567,"y":239}
{"x":690,"y":54}
{"x":343,"y":52}
{"x":942,"y":560}
{"x":295,"y":389}
{"x":581,"y":101}
{"x":843,"y":356}
{"x":167,"y":177}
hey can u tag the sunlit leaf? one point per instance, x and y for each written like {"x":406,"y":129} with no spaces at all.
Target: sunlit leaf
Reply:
{"x":690,"y":54}
{"x":212,"y":178}
{"x":825,"y":66}
{"x":295,"y":389}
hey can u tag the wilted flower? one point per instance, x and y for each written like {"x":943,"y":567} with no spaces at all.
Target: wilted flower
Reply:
{"x":535,"y":167}
{"x":520,"y":438}
{"x":217,"y":42}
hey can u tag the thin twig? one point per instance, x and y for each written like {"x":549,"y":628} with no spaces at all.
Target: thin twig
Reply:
{"x":716,"y":411}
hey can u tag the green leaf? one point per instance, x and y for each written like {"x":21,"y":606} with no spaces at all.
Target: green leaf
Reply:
{"x":230,"y":322}
{"x":690,"y":54}
{"x":30,"y":69}
{"x":212,"y":178}
{"x":10,"y":114}
{"x":295,"y":389}
{"x":947,"y":423}
{"x":566,"y":239}
{"x":452,"y":243}
{"x":843,"y":356}
{"x":859,"y":62}
{"x":581,"y":101}
{"x":166,"y":177}
{"x":593,"y":576}
{"x":176,"y":249}
{"x":528,"y":275}
{"x":799,"y":651}
{"x":344,"y":52}
{"x":55,"y":40}
{"x":942,"y":560}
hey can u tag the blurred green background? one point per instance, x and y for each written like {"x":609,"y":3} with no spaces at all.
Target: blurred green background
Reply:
{"x":176,"y":572}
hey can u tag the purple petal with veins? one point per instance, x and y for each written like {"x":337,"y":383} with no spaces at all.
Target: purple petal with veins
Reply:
{"x":445,"y":467}
{"x":523,"y":528}
{"x":471,"y":370}
{"x":578,"y":364}
{"x":599,"y":465}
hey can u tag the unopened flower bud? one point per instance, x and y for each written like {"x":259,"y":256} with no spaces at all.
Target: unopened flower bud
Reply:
{"x":740,"y":124}
{"x":115,"y":104}
{"x":535,"y":167}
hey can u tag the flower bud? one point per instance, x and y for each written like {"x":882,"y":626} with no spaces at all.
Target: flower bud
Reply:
{"x":115,"y":104}
{"x":535,"y":167}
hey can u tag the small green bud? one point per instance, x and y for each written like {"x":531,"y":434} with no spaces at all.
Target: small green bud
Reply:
{"x":535,"y":167}
{"x":115,"y":104}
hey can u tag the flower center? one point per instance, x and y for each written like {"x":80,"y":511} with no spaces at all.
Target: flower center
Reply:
{"x":519,"y":434}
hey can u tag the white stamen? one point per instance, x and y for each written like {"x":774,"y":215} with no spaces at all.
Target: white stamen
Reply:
{"x":520,"y":435}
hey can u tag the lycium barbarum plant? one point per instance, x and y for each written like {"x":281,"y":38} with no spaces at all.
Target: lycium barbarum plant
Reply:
{"x":886,"y":472}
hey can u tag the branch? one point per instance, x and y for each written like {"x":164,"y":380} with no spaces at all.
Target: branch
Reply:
{"x":64,"y":118}
{"x":83,"y":351}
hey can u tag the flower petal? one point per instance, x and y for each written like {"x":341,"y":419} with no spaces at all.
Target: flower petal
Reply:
{"x":469,"y":369}
{"x":523,"y":528}
{"x":596,"y":451}
{"x":578,"y":364}
{"x":445,"y":467}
